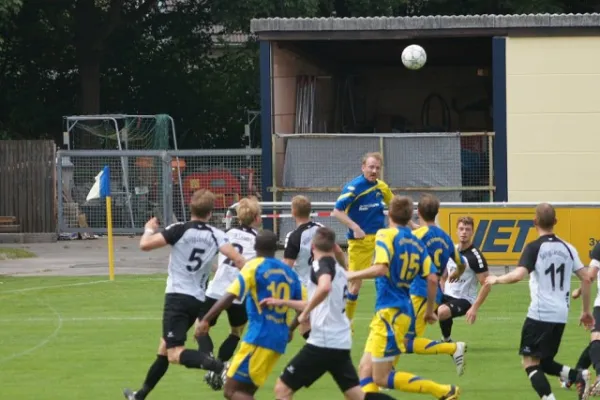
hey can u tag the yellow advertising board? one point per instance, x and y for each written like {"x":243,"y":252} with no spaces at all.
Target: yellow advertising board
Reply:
{"x":502,"y":232}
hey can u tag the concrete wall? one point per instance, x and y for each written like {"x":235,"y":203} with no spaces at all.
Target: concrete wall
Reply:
{"x":553,"y":118}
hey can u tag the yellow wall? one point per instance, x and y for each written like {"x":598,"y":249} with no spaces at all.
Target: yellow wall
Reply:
{"x":553,"y":118}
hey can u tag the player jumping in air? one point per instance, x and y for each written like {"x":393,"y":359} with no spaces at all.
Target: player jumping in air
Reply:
{"x":328,"y":347}
{"x":360,"y":207}
{"x":242,"y":238}
{"x":461,"y":297}
{"x":298,"y":251}
{"x":399,"y":257}
{"x":549,"y":261}
{"x":194,"y":244}
{"x":267,"y":335}
{"x":441,"y":249}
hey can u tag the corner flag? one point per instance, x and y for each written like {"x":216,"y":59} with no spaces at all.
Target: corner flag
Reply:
{"x":105,"y":194}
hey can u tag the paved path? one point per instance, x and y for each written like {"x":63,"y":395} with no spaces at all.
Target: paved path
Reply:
{"x":90,"y":257}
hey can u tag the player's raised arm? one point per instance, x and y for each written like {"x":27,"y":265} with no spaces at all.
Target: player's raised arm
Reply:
{"x":151,"y":240}
{"x":526,"y":265}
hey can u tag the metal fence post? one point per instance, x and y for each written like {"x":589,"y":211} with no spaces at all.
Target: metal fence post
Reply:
{"x":59,"y":192}
{"x":167,"y":188}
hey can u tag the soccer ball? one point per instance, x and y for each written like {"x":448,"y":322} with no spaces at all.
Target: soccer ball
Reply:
{"x":414,"y":57}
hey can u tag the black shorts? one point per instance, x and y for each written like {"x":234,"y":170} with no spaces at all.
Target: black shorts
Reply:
{"x":596,"y":319}
{"x":540,"y":339}
{"x":312,"y":362}
{"x":458,"y":307}
{"x":236,"y":313}
{"x":179,"y":314}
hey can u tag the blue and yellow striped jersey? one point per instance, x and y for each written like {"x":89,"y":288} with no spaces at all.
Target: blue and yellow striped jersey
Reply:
{"x":407,"y":258}
{"x":441,"y":248}
{"x":259,"y":279}
{"x":365,"y":202}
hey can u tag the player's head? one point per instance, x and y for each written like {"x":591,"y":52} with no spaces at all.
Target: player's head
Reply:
{"x":371,"y":166}
{"x":202,"y":204}
{"x":464,"y":229}
{"x":400,"y":210}
{"x":545,"y":217}
{"x":428,"y":208}
{"x":324,"y":240}
{"x":266,"y":244}
{"x":248,"y":212}
{"x":301,"y":207}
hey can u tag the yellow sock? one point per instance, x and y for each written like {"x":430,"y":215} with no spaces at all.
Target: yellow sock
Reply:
{"x":368,"y":386}
{"x":427,"y":346}
{"x":406,"y":382}
{"x":351,"y":302}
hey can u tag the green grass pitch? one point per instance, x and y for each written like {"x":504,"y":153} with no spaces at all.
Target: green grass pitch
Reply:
{"x":84,"y":339}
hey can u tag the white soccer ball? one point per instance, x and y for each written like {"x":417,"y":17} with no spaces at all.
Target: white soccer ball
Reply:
{"x":414,"y":57}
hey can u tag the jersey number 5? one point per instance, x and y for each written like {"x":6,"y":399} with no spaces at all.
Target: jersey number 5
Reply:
{"x":280,"y":291}
{"x":239,"y":249}
{"x":553,"y":271}
{"x":195,"y":260}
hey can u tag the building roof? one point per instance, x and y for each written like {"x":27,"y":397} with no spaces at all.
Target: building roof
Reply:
{"x":437,"y":25}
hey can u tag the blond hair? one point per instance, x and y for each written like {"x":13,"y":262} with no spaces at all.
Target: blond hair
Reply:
{"x":202,"y":203}
{"x":376,"y":155}
{"x":301,"y":206}
{"x":248,"y":210}
{"x":466,"y":220}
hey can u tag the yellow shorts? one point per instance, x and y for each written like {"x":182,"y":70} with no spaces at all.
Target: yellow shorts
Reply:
{"x":386,"y":337}
{"x":252,"y":364}
{"x":418,"y":325}
{"x":361,"y":253}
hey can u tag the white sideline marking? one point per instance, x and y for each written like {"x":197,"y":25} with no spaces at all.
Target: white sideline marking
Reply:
{"x":52,"y":287}
{"x":42,"y":343}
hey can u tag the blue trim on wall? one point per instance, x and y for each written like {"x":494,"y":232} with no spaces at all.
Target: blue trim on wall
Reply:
{"x":265,"y":125}
{"x":499,"y":90}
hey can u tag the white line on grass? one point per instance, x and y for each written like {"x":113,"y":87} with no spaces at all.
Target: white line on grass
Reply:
{"x":52,"y":287}
{"x":42,"y":343}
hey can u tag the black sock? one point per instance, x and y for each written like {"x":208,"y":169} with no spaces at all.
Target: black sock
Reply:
{"x":538,"y":380}
{"x":205,"y":344}
{"x":200,"y":360}
{"x":306,"y":334}
{"x":377,"y":396}
{"x":446,"y":327}
{"x":155,"y":373}
{"x":584,"y":359}
{"x":595,"y":355}
{"x":551,"y":367}
{"x":228,"y":347}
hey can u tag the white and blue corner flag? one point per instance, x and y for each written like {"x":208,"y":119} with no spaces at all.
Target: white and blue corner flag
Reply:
{"x":105,"y":182}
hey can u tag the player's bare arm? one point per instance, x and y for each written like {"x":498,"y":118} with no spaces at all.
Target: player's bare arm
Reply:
{"x":151,"y":240}
{"x":481,"y":296}
{"x":432,"y":287}
{"x":516,"y":275}
{"x":346,"y":220}
{"x":586,"y":317}
{"x":372,"y":272}
{"x":203,"y":326}
{"x":297,"y":305}
{"x":340,"y":256}
{"x":230,"y":252}
{"x":323,"y":289}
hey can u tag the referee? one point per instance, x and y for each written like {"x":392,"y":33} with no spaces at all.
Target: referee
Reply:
{"x":360,"y":207}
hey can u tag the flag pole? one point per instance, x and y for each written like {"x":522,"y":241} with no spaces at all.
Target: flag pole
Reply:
{"x":105,"y":192}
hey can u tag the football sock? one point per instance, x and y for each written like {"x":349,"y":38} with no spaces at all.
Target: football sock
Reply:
{"x":446,"y":327}
{"x":205,"y":344}
{"x":595,"y":355}
{"x":157,"y":370}
{"x":584,"y":361}
{"x":539,"y":381}
{"x":407,"y":382}
{"x":228,"y":347}
{"x":197,"y":359}
{"x":368,"y":386}
{"x":429,"y":347}
{"x":351,"y":302}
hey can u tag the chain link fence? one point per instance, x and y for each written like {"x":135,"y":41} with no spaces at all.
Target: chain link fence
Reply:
{"x":150,"y":183}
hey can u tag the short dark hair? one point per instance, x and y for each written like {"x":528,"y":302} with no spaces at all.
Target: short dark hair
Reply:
{"x":545,"y":216}
{"x":324,"y":239}
{"x":428,"y":207}
{"x":266,"y":244}
{"x":401,"y":209}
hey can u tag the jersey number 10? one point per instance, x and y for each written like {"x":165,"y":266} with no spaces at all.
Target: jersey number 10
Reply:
{"x":279,"y":291}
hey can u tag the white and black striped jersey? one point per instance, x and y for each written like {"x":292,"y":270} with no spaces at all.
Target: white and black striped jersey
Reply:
{"x":194,"y":244}
{"x":550,"y":262}
{"x":595,"y":263}
{"x":329,"y":325}
{"x":242,"y":239}
{"x":298,"y":248}
{"x":466,"y":287}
